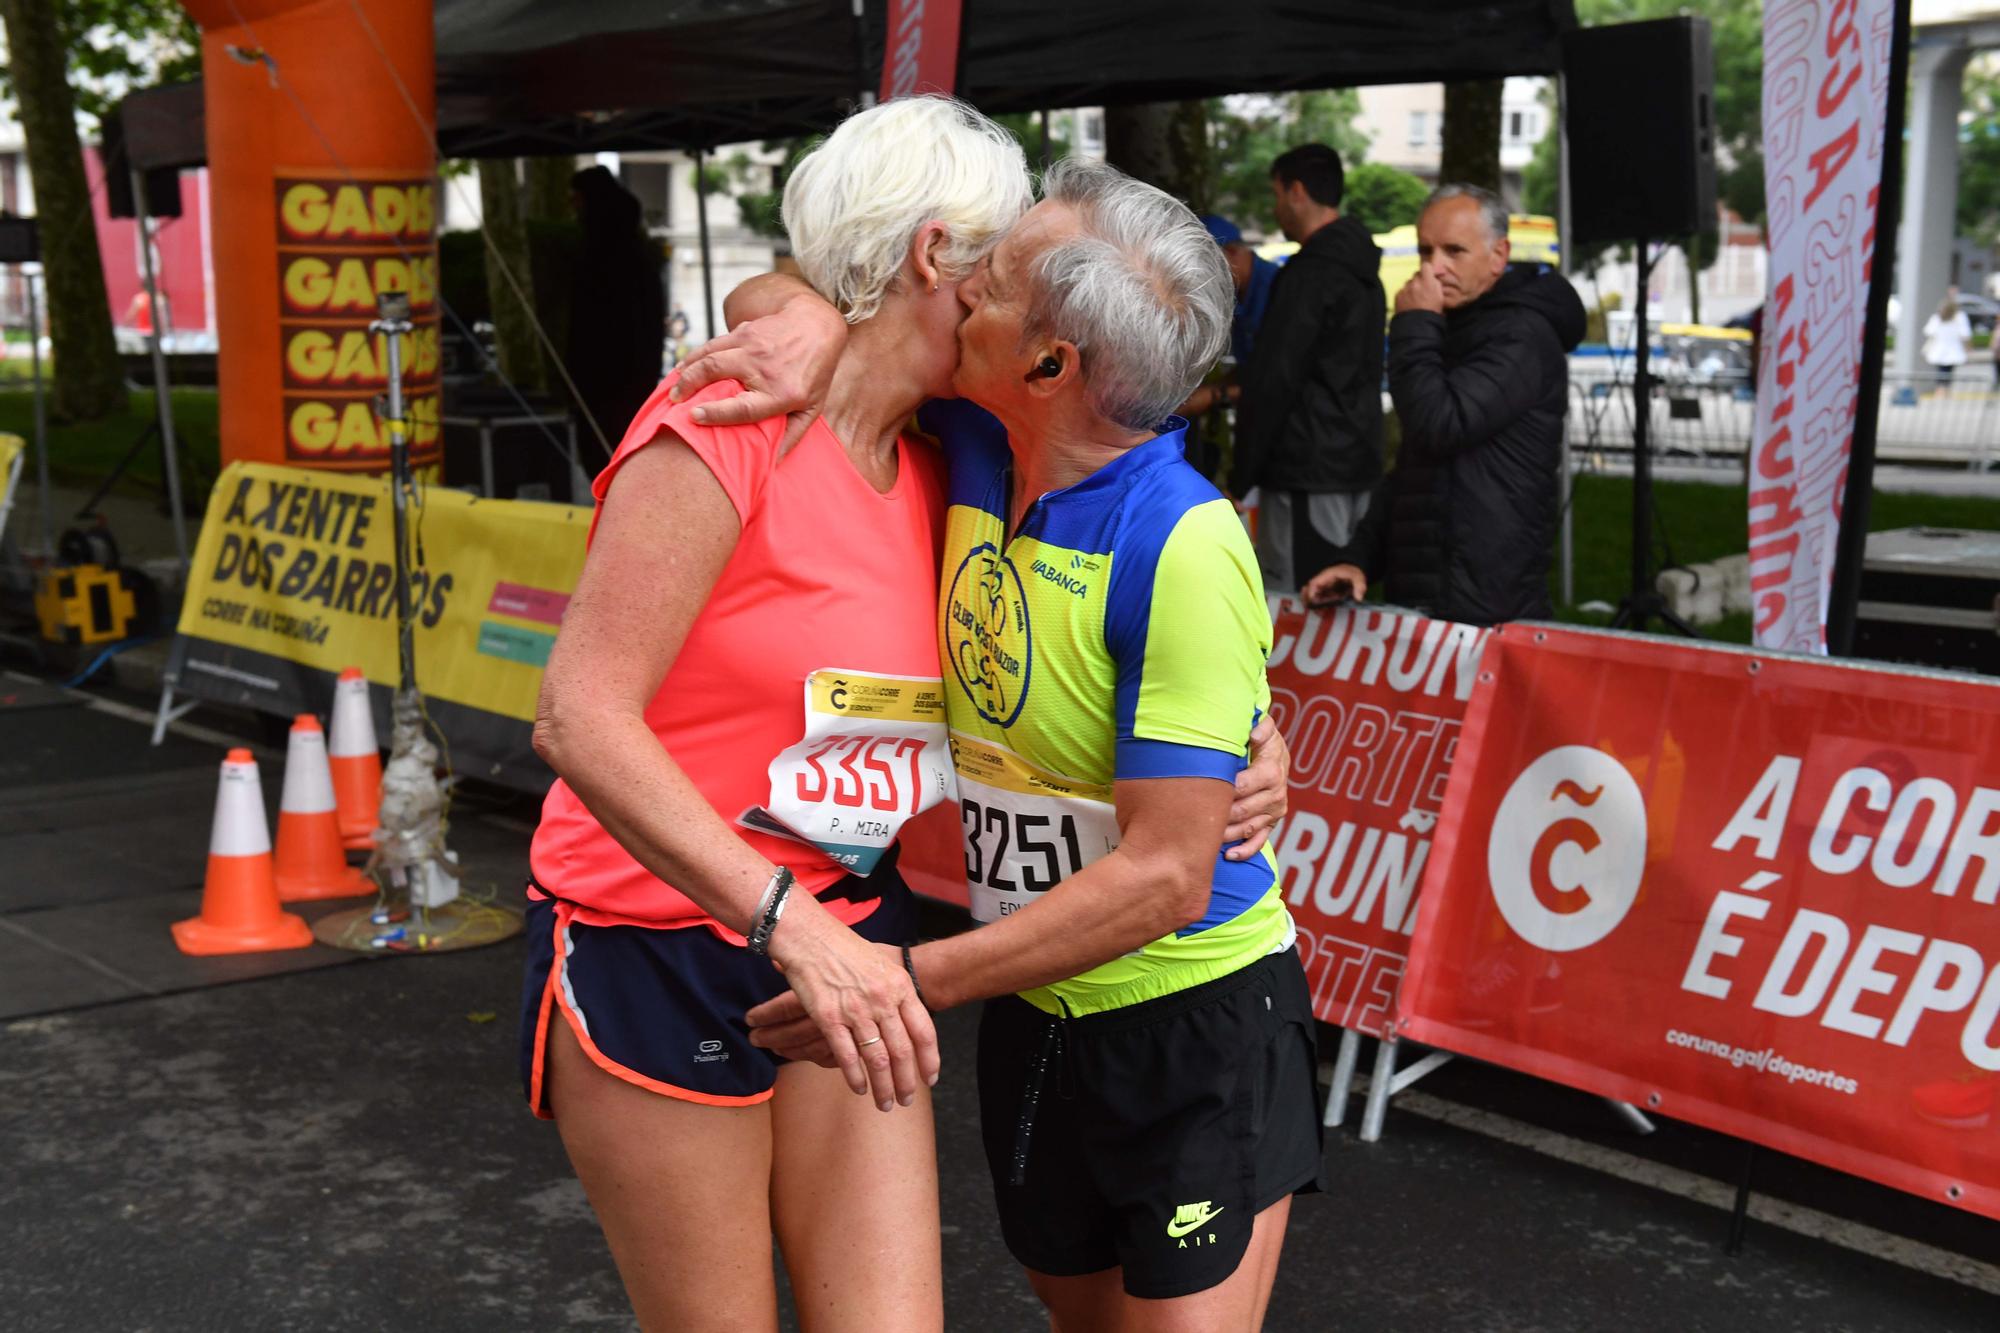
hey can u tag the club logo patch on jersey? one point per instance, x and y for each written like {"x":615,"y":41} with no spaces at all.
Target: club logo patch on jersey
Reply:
{"x":987,"y":634}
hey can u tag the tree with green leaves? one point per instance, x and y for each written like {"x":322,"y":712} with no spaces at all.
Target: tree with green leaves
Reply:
{"x":1215,"y":155}
{"x":1979,"y":155}
{"x":66,"y":56}
{"x":1469,"y":153}
{"x":759,"y":187}
{"x":509,"y":272}
{"x":1164,"y":144}
{"x":1246,"y":135}
{"x":113,"y":46}
{"x":1026,"y":127}
{"x":1541,"y":179}
{"x":1737,"y":36}
{"x":1382,"y":197}
{"x":545,"y":188}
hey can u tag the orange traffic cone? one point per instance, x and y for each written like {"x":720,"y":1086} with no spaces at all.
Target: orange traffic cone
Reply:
{"x":310,"y":862}
{"x":357,"y":762}
{"x":239,"y":900}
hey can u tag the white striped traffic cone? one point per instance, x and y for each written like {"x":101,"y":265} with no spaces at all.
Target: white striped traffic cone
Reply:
{"x":356,"y":760}
{"x":310,"y":862}
{"x":239,"y":899}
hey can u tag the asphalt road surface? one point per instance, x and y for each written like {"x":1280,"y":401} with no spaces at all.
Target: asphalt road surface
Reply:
{"x":346,"y":1148}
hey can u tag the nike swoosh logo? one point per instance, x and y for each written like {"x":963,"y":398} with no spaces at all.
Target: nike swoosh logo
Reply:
{"x":1179,"y":1229}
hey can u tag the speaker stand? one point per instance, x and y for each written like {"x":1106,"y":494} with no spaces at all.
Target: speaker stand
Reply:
{"x":149,"y":434}
{"x":1643,"y":602}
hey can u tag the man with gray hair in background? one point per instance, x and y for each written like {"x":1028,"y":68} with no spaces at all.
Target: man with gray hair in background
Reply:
{"x":1479,"y":372}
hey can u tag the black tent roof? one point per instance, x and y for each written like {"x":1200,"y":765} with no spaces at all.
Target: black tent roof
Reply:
{"x":524,"y":77}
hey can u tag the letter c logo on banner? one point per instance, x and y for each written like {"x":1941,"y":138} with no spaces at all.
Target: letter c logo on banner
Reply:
{"x":1568,"y":849}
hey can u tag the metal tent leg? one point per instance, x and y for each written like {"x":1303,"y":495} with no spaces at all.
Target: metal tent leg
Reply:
{"x":1633,"y":1117}
{"x":170,"y":712}
{"x":1343,"y":1078}
{"x":1377,"y":1109}
{"x":1387,"y":1081}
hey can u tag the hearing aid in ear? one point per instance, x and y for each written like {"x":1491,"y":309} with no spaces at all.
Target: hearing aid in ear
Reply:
{"x":1048,"y":367}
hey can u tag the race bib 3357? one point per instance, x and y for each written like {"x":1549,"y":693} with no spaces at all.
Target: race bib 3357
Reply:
{"x":874,"y":755}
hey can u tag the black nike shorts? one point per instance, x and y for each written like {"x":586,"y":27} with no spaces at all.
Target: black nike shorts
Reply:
{"x":1149,"y":1138}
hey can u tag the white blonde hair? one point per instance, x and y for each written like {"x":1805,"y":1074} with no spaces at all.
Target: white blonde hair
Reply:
{"x":854,"y":204}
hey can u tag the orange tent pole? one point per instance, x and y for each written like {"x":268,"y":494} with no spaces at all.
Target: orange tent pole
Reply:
{"x":324,"y":192}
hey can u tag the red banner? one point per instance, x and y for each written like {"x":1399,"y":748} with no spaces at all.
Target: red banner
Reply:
{"x":922,"y":51}
{"x":1755,"y":893}
{"x":932,"y":861}
{"x":1371,"y":702}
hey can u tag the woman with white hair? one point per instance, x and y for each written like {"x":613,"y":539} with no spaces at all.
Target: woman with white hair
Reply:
{"x":742,"y":707}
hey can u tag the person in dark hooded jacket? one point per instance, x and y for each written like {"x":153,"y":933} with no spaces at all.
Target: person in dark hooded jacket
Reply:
{"x":1478,"y":370}
{"x":618,"y":319}
{"x":1309,"y":420}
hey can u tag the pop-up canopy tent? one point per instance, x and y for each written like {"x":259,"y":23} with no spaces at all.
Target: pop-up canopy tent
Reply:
{"x":321,"y":123}
{"x":338,"y":113}
{"x":522,"y":77}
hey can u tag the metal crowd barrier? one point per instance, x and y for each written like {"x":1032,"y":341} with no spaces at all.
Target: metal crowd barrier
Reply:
{"x":1924,"y":418}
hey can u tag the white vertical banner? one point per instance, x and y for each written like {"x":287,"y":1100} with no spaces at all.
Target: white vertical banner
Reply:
{"x":1826,"y":81}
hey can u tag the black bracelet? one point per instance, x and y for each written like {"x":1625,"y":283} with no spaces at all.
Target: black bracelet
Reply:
{"x":769,"y":909}
{"x":910,"y":966}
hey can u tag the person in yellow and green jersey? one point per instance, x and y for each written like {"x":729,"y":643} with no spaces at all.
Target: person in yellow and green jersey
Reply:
{"x":1146,"y":1054}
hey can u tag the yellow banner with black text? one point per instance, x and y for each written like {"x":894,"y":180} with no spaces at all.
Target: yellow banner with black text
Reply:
{"x":294,"y":579}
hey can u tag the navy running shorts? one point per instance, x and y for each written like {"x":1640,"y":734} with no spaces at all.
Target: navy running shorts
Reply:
{"x":662,"y":1008}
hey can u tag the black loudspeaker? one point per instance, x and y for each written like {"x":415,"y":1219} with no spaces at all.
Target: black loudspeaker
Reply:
{"x":1639,"y":101}
{"x":163,"y":194}
{"x":20,"y":240}
{"x":163,"y":184}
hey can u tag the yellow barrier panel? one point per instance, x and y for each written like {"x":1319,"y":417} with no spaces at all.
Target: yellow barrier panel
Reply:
{"x":294,"y":579}
{"x":13,"y":455}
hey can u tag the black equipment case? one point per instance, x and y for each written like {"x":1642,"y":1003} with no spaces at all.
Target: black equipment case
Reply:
{"x":1931,"y":597}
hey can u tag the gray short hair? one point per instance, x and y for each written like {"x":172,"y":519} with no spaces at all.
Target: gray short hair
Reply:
{"x":1142,"y":291}
{"x":1491,"y":209}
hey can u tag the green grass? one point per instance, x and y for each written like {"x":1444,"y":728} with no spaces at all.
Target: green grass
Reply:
{"x":84,"y":454}
{"x":1697,"y":522}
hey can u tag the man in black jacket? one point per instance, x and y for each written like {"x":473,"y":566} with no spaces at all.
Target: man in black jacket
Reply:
{"x":1309,"y":429}
{"x":1479,"y":372}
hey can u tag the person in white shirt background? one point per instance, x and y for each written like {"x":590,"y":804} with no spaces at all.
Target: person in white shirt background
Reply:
{"x":1947,"y":335}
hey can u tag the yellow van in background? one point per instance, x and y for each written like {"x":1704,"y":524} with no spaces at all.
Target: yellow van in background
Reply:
{"x":1532,"y":239}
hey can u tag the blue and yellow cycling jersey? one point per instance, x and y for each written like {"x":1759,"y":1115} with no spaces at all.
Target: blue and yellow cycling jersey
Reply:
{"x":1120,"y":634}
